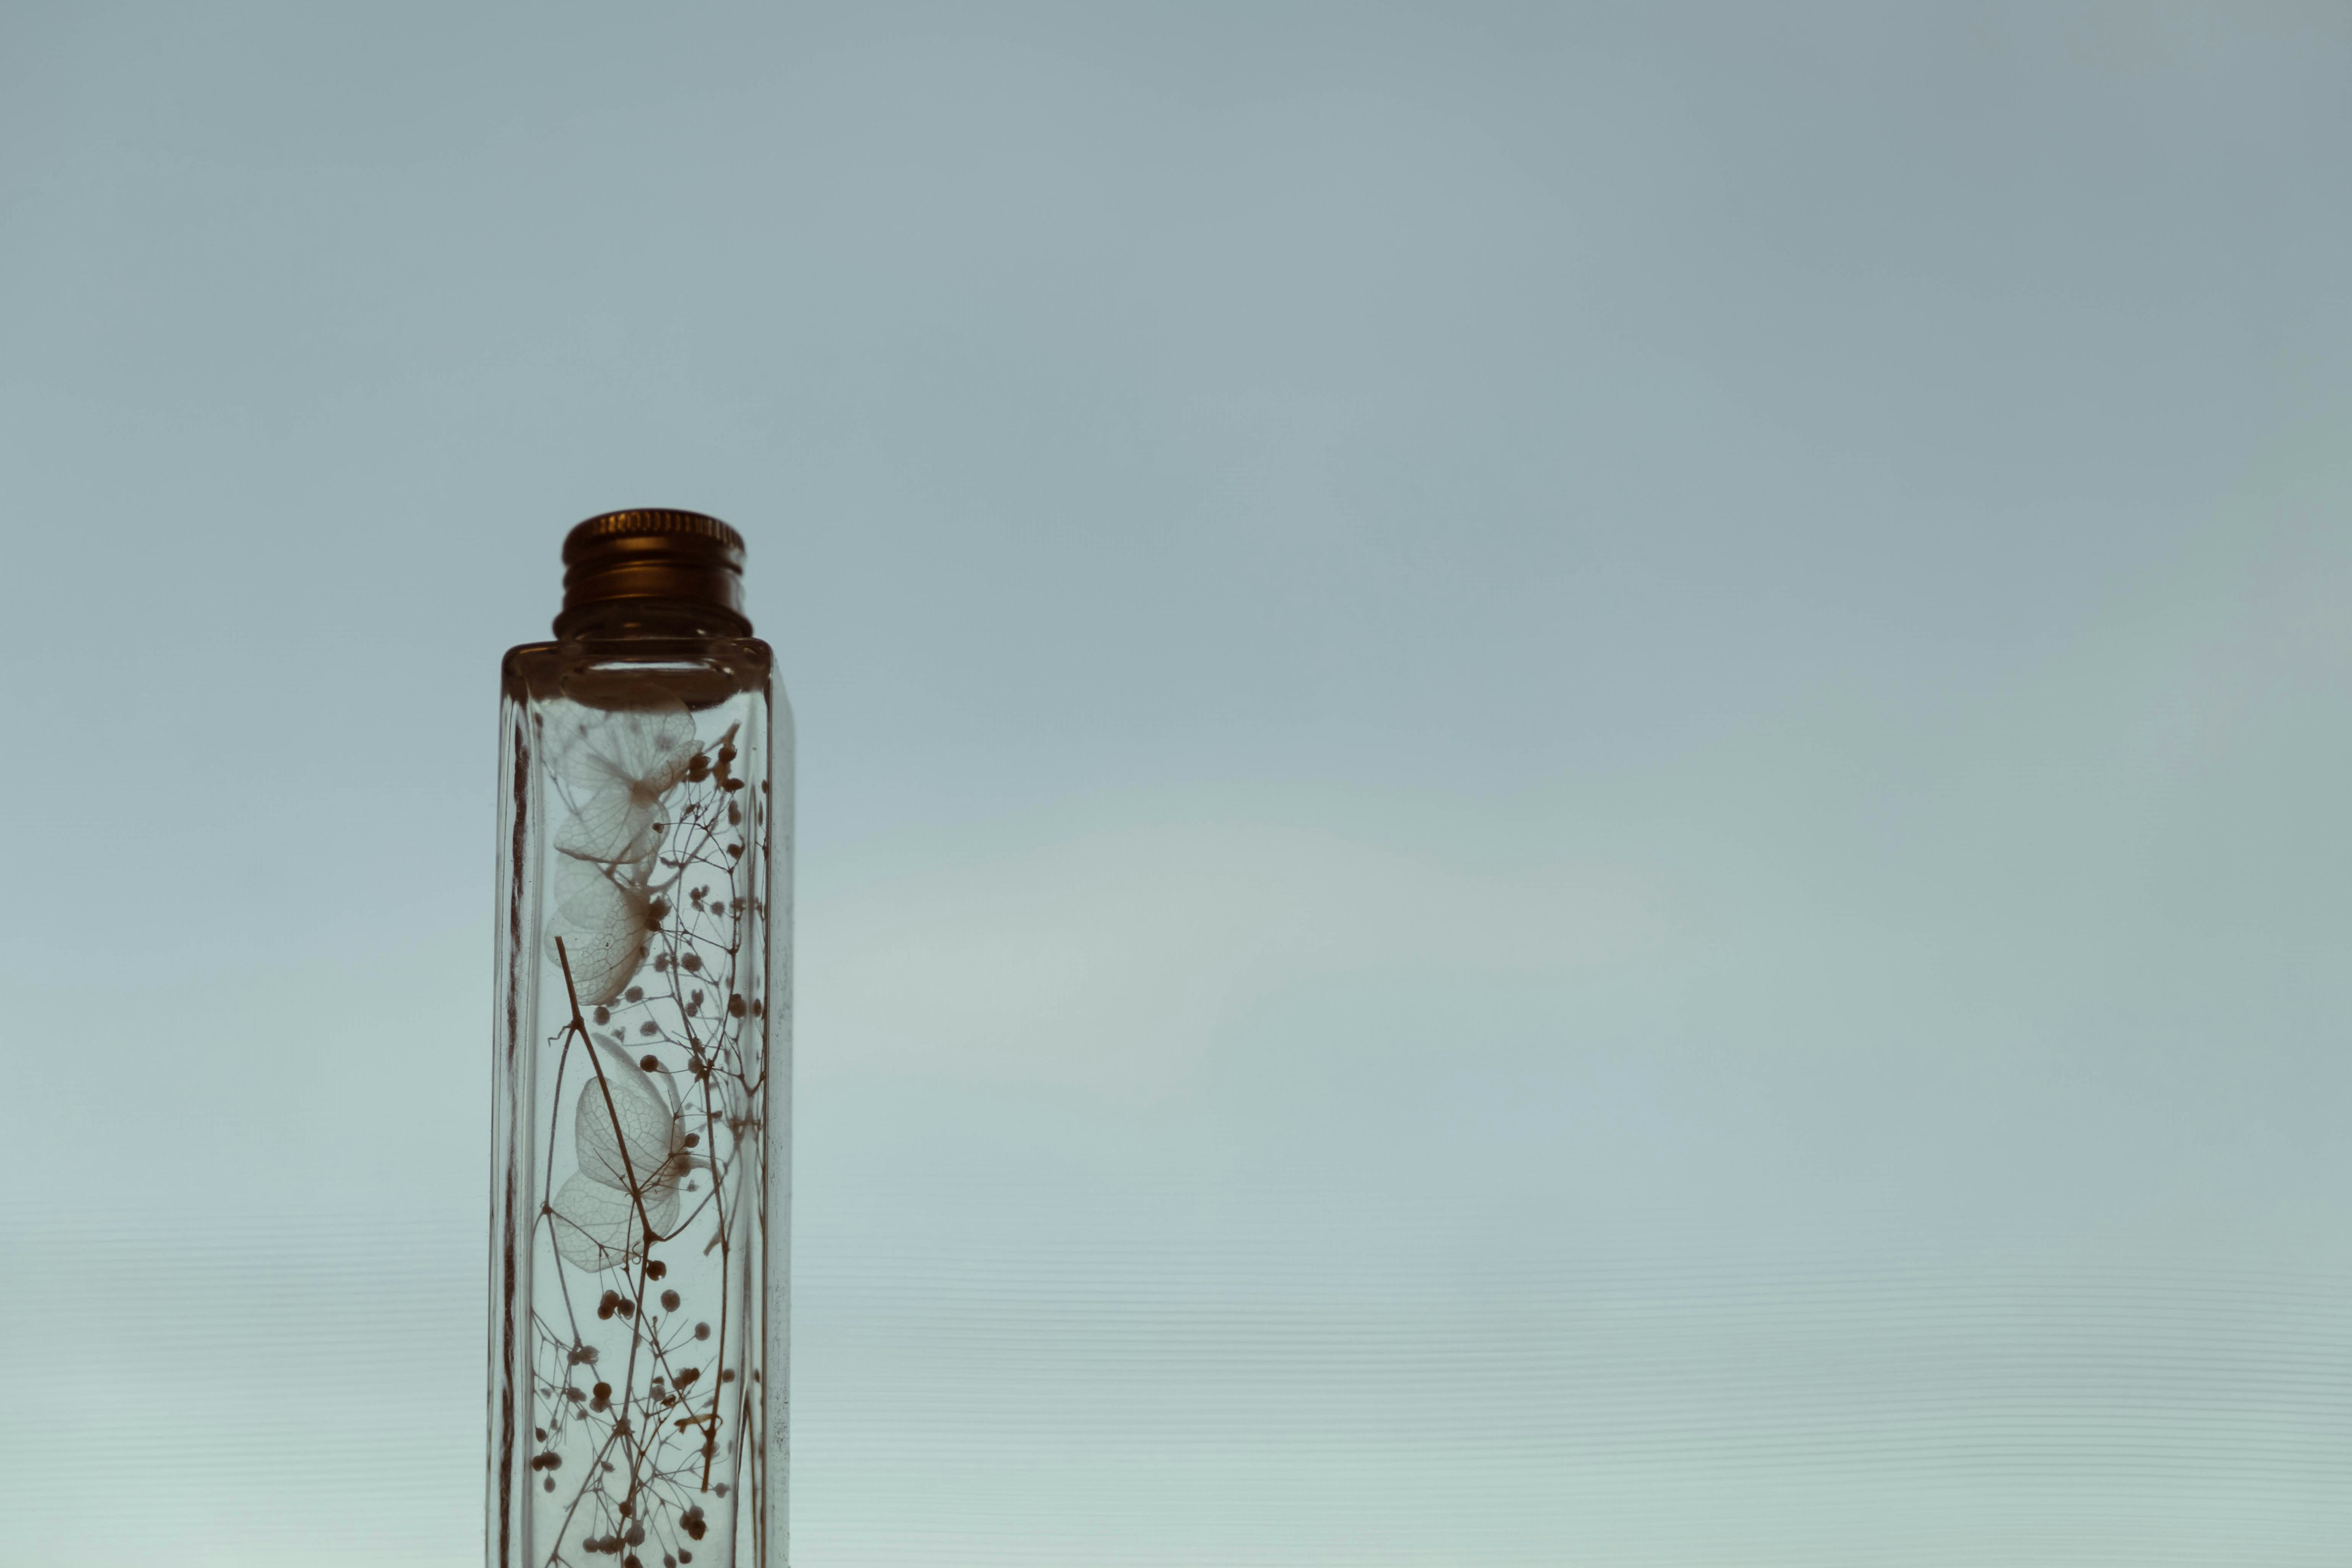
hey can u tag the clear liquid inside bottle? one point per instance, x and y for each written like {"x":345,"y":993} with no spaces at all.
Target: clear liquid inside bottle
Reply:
{"x":638,"y":1249}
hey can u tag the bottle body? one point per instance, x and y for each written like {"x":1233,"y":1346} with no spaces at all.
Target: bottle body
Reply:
{"x":641,"y":1158}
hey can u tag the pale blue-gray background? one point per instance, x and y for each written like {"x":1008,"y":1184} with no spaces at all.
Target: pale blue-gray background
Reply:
{"x":1573,"y":779}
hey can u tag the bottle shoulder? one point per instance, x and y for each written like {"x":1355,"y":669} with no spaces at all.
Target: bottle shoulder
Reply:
{"x":701,"y":671}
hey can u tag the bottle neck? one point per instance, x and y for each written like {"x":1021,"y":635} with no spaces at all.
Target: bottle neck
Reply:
{"x":623,"y":620}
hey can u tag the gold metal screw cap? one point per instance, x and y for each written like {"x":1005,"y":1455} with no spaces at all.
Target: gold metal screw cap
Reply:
{"x":663,"y":558}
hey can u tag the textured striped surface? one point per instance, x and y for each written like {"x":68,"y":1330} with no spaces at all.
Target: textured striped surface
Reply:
{"x":1262,"y":1395}
{"x":1264,"y":1404}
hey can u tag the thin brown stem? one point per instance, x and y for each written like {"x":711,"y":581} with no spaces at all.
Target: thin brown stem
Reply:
{"x":620,"y":1136}
{"x":636,"y":1196}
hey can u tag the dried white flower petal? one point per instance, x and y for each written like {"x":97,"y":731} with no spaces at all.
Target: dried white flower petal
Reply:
{"x":648,"y":1128}
{"x":605,"y":916}
{"x":612,"y":768}
{"x":596,"y":1225}
{"x":596,"y":1221}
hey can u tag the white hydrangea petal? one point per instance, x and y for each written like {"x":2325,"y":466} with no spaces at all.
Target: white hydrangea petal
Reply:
{"x":654,"y":1086}
{"x":652,"y":745}
{"x":612,"y":767}
{"x":661,"y":1207}
{"x":647,"y":1131}
{"x":594,"y":1226}
{"x":593,"y":748}
{"x":605,"y":921}
{"x":612,"y":828}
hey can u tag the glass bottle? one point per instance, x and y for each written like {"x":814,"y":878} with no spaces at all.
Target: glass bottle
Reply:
{"x":642,"y":1035}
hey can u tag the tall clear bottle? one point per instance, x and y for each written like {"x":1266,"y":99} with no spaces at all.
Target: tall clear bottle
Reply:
{"x":642,"y":1157}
